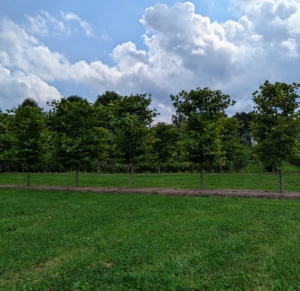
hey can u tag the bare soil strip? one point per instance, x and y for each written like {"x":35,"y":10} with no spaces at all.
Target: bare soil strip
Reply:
{"x":167,"y":191}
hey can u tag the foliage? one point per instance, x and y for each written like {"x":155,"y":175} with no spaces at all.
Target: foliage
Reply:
{"x":137,"y":105}
{"x":103,"y":145}
{"x":106,"y":98}
{"x":29,"y":102}
{"x":130,"y":136}
{"x":177,"y":119}
{"x":130,"y":118}
{"x":235,"y":152}
{"x":2,"y":133}
{"x":26,"y":128}
{"x":117,"y":130}
{"x":165,"y":145}
{"x":77,"y":141}
{"x":275,"y":126}
{"x":202,"y":110}
{"x":245,"y":130}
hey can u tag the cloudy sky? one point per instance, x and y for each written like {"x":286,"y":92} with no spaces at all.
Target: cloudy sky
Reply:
{"x":50,"y":49}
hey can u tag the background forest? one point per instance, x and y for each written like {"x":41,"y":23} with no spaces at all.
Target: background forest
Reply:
{"x":116,"y":134}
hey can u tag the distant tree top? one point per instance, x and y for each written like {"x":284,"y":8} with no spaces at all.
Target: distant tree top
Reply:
{"x":76,"y":98}
{"x":29,"y":102}
{"x":106,"y":98}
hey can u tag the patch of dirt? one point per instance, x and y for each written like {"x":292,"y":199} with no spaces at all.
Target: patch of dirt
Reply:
{"x":106,"y":264}
{"x":167,"y":191}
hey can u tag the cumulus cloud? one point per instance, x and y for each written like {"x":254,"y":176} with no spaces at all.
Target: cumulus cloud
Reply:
{"x":17,"y":86}
{"x":291,"y":47}
{"x":234,"y":56}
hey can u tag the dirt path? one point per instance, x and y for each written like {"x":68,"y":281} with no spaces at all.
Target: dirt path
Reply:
{"x":167,"y":191}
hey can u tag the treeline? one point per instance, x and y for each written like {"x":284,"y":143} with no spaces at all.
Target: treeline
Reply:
{"x":116,"y":134}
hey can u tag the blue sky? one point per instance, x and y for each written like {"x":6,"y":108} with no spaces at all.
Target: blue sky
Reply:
{"x":50,"y":49}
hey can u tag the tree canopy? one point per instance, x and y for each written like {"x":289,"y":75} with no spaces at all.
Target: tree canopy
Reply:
{"x":275,"y":125}
{"x":202,"y":110}
{"x":26,"y":126}
{"x":74,"y":120}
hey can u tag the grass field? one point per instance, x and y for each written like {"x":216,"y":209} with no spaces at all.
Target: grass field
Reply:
{"x":259,"y":181}
{"x":74,"y":241}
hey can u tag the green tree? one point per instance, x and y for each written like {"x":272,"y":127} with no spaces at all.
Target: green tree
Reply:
{"x":2,"y":133}
{"x":104,"y":144}
{"x":131,"y":119}
{"x":106,"y":98}
{"x":245,"y":130}
{"x":164,"y":146}
{"x":5,"y":140}
{"x":77,"y":140}
{"x":26,"y":125}
{"x":275,"y":126}
{"x":232,"y":143}
{"x":29,"y":102}
{"x":202,"y":110}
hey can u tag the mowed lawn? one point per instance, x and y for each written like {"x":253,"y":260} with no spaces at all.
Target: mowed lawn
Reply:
{"x":73,"y":241}
{"x":259,"y":181}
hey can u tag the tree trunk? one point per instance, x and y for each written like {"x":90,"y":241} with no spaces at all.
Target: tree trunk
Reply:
{"x":159,"y":167}
{"x":46,"y":168}
{"x":128,"y":169}
{"x":273,"y":169}
{"x":201,"y":176}
{"x":28,"y":174}
{"x":77,"y":176}
{"x":280,"y":180}
{"x":193,"y":168}
{"x":132,"y":174}
{"x":230,"y":167}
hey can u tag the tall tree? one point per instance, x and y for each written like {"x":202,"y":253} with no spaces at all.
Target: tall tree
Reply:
{"x":2,"y":132}
{"x":164,"y":146}
{"x":5,"y":139}
{"x":131,"y":119}
{"x":77,"y":142}
{"x":202,"y":109}
{"x":275,"y":126}
{"x":236,"y":153}
{"x":25,"y":126}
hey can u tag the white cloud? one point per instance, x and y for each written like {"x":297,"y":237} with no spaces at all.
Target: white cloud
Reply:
{"x":18,"y":86}
{"x":4,"y":58}
{"x":235,"y":56}
{"x":40,"y":24}
{"x":291,"y":47}
{"x":128,"y":57}
{"x":167,"y":108}
{"x":13,"y":38}
{"x":85,"y":25}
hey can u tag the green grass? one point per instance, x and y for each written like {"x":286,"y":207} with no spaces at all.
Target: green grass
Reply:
{"x":288,"y":168}
{"x":72,"y":241}
{"x":259,"y":181}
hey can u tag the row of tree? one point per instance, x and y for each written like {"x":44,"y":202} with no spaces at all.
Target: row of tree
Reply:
{"x":77,"y":133}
